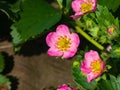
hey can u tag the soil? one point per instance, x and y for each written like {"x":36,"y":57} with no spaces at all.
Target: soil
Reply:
{"x":33,"y":69}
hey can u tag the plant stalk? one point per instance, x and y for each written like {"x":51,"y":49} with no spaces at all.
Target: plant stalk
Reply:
{"x":79,"y":30}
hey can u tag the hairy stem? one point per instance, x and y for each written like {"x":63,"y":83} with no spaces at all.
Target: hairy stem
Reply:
{"x":79,"y":30}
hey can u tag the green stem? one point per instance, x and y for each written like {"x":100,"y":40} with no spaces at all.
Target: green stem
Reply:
{"x":79,"y":23}
{"x":79,"y":30}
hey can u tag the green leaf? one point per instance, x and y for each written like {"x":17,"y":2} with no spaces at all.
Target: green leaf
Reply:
{"x":80,"y":79}
{"x":111,"y":4}
{"x":10,"y":9}
{"x":5,"y":81}
{"x":68,"y":4}
{"x":112,"y":84}
{"x":60,"y":3}
{"x":2,"y":64}
{"x":105,"y":20}
{"x":37,"y":16}
{"x":103,"y":15}
{"x":115,"y":51}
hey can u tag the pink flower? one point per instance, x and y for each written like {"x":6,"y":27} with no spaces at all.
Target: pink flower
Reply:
{"x":111,"y":29}
{"x":81,"y":7}
{"x":62,"y":42}
{"x":108,"y":48}
{"x":92,"y":65}
{"x":64,"y":87}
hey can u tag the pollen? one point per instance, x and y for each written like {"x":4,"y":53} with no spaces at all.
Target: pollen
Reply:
{"x":96,"y":66}
{"x":63,"y":43}
{"x":85,"y":7}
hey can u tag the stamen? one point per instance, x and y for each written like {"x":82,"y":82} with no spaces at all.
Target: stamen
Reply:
{"x":63,"y":43}
{"x":85,"y":7}
{"x":96,"y":66}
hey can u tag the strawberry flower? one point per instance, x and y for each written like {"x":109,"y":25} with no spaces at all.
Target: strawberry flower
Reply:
{"x":65,"y":87}
{"x":81,"y":7}
{"x":92,"y":65}
{"x":62,"y":42}
{"x":111,"y":29}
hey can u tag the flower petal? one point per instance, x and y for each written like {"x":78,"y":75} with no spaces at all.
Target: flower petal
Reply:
{"x":84,"y":68}
{"x":49,"y":39}
{"x":102,"y":66}
{"x":75,"y":41}
{"x":62,"y":30}
{"x":91,"y":56}
{"x":54,"y":52}
{"x":52,"y":38}
{"x":76,"y":5}
{"x":64,"y":87}
{"x":94,"y":4}
{"x":69,"y":53}
{"x":92,"y":76}
{"x":75,"y":16}
{"x":73,"y":48}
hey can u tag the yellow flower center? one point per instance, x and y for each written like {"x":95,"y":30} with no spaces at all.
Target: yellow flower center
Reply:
{"x":85,"y":7}
{"x":96,"y":66}
{"x":112,"y":28}
{"x":63,"y":43}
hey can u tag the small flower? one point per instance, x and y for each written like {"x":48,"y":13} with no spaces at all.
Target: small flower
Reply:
{"x":81,"y":7}
{"x":108,"y":48}
{"x":64,"y":87}
{"x":111,"y":29}
{"x":92,"y":65}
{"x":62,"y":42}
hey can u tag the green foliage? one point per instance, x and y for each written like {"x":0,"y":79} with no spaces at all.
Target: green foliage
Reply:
{"x":10,"y":9}
{"x":2,"y":65}
{"x":68,"y":4}
{"x":80,"y":79}
{"x":97,"y":25}
{"x":105,"y":20}
{"x":112,"y":83}
{"x":36,"y":17}
{"x":110,"y":4}
{"x":115,"y":51}
{"x":60,"y":3}
{"x":5,"y":81}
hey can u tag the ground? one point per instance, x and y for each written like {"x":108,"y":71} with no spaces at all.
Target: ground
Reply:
{"x":33,"y":69}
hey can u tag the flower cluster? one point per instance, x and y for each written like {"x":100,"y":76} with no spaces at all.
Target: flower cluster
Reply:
{"x":101,"y":31}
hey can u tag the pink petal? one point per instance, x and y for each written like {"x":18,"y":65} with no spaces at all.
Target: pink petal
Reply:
{"x":64,"y":87}
{"x":49,"y":39}
{"x":54,"y":52}
{"x":69,"y":53}
{"x":75,"y":41}
{"x":75,"y":16}
{"x":92,"y":76}
{"x":94,"y":3}
{"x":62,"y":30}
{"x":73,"y":48}
{"x":52,"y":38}
{"x":76,"y":5}
{"x":102,"y":66}
{"x":84,"y":68}
{"x":91,"y":56}
{"x":108,"y":48}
